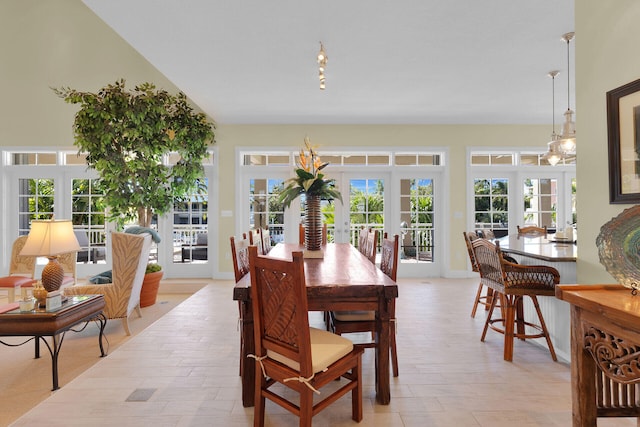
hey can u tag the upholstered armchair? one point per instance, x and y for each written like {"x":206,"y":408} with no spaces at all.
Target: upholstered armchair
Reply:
{"x":129,"y":255}
{"x":21,"y":270}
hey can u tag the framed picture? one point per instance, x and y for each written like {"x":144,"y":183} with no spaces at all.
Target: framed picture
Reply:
{"x":623,"y":122}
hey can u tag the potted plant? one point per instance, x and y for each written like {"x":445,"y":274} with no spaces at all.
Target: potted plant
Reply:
{"x":149,"y":293}
{"x":126,"y":134}
{"x":310,"y":182}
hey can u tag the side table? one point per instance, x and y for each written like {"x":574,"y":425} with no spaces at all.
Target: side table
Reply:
{"x":39,"y":324}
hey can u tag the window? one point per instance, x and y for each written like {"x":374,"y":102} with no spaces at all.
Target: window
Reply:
{"x":540,"y":202}
{"x":35,"y":201}
{"x":88,"y":218}
{"x":265,"y":211}
{"x":367,"y":206}
{"x":491,"y":204}
{"x":190,"y":231}
{"x":417,"y":216}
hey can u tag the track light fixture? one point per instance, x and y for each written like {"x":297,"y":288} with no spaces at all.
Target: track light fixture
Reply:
{"x":322,"y":63}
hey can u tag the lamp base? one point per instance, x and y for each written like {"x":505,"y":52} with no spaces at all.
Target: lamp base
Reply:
{"x":52,"y":275}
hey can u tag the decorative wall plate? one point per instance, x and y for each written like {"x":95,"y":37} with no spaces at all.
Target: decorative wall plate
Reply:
{"x":619,"y":247}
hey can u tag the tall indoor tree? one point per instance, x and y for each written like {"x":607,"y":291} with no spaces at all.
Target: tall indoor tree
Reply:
{"x":126,"y":133}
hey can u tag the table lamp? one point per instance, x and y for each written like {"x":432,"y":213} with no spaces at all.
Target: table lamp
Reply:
{"x":51,"y":238}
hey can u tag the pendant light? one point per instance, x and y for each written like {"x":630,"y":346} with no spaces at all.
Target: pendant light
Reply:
{"x":568,"y":136}
{"x":554,"y":152}
{"x":322,"y":63}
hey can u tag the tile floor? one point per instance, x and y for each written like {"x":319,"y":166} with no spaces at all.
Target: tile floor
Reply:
{"x":183,"y":371}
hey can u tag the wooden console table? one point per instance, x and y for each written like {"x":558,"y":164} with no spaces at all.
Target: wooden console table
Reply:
{"x":39,"y":324}
{"x":605,"y":351}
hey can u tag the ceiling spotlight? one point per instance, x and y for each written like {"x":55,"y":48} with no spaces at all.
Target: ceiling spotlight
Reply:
{"x":322,"y":63}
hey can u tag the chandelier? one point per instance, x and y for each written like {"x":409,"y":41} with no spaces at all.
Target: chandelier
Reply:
{"x":563,"y":146}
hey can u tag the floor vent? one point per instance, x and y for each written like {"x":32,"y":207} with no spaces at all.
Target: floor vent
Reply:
{"x":141,"y":394}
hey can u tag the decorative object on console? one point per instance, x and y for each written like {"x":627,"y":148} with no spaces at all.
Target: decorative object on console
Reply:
{"x":51,"y":238}
{"x":310,"y":182}
{"x":619,"y":247}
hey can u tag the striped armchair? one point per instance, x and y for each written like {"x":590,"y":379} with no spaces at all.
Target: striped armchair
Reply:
{"x":129,"y":255}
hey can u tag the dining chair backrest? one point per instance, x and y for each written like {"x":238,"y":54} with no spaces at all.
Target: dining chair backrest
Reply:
{"x":265,"y":236}
{"x":371,"y":245}
{"x":470,"y":236}
{"x":362,"y":240}
{"x":389,"y":256}
{"x":532,"y":231}
{"x":302,"y":237}
{"x":255,"y":239}
{"x":240,"y":255}
{"x":279,"y":296}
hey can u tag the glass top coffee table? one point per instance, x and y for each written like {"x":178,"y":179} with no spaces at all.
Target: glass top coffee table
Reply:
{"x":39,"y":324}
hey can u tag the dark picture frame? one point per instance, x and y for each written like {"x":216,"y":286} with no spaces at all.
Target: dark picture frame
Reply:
{"x":623,"y":123}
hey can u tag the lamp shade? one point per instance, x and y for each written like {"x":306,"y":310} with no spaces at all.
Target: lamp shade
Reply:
{"x":50,"y":238}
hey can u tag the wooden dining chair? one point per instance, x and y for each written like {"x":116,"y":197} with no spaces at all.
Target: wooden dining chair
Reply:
{"x":371,"y":246}
{"x":265,"y":237}
{"x":343,"y":322}
{"x":511,"y":283}
{"x":362,"y":240}
{"x":288,"y":351}
{"x":532,"y":231}
{"x":302,"y":238}
{"x":240,"y":256}
{"x":255,"y":239}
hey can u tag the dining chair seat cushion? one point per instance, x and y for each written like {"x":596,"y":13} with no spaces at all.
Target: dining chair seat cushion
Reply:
{"x":355,"y":315}
{"x":16,"y":281}
{"x":326,"y":348}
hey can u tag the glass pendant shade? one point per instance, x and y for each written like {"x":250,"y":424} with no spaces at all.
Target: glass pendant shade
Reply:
{"x":554,"y":152}
{"x":568,"y":136}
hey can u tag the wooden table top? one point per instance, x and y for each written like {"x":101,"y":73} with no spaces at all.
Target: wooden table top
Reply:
{"x":42,"y":322}
{"x":343,"y":269}
{"x":615,"y":300}
{"x":544,"y":248}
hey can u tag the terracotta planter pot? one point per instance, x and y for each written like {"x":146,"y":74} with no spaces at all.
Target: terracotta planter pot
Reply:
{"x":150,"y":286}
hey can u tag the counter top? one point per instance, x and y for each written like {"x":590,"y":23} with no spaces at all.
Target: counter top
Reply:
{"x":546,"y":249}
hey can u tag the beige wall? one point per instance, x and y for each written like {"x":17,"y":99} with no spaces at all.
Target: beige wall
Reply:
{"x":62,"y":43}
{"x":607,"y":35}
{"x":456,"y":138}
{"x":52,"y":44}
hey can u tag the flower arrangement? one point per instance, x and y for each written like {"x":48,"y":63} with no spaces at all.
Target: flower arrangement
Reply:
{"x":308,"y":178}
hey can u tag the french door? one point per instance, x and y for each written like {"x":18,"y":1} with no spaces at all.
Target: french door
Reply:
{"x":363,"y":205}
{"x":407,"y":204}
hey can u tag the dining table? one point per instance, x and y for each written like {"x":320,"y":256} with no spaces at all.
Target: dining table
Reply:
{"x":342,"y":279}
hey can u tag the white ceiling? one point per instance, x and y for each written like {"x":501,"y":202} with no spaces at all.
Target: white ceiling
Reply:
{"x":390,"y":62}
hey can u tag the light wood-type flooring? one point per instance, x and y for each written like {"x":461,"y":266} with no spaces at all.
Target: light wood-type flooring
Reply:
{"x":182,"y":370}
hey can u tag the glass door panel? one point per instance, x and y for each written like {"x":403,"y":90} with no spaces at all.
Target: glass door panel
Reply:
{"x":417,"y":220}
